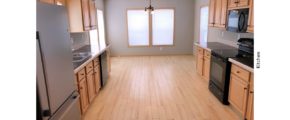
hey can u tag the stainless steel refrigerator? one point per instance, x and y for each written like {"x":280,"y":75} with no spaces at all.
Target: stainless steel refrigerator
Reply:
{"x":57,"y":98}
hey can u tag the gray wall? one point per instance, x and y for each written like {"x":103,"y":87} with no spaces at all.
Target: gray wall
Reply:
{"x":215,"y":34}
{"x":116,"y":28}
{"x":81,"y":39}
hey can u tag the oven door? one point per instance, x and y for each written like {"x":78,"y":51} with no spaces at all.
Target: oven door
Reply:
{"x":218,"y":71}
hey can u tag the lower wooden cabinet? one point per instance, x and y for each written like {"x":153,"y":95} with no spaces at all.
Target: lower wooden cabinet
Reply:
{"x":199,"y":64}
{"x":241,"y":91}
{"x":203,"y":63}
{"x":238,"y":93}
{"x":83,"y":95}
{"x":250,"y":106}
{"x":97,"y":78}
{"x":89,"y":83}
{"x":91,"y":86}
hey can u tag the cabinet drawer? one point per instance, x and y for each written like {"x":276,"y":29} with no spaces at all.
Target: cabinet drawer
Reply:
{"x":199,"y":50}
{"x":81,"y":74}
{"x":96,"y":61}
{"x":207,"y":53}
{"x":240,"y":72}
{"x":89,"y":67}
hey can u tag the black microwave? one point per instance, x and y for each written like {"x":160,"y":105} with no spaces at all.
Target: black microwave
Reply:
{"x":238,"y":20}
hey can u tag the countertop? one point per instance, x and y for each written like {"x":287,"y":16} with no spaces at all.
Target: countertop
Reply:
{"x":246,"y":63}
{"x":214,"y":45}
{"x":95,"y":51}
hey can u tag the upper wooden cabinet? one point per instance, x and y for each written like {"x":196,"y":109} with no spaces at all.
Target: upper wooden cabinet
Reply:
{"x":251,"y":17}
{"x":57,"y":2}
{"x":211,"y":13}
{"x":234,"y":4}
{"x":82,"y":15}
{"x":93,"y":14}
{"x":218,"y":13}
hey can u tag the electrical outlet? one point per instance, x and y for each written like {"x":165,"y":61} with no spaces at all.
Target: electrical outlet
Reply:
{"x":160,"y":48}
{"x":222,"y":33}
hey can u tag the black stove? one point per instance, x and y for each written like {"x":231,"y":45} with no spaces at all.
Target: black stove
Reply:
{"x":220,"y":66}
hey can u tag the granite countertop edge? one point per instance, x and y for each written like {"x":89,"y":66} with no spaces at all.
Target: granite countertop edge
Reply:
{"x":241,"y":65}
{"x":94,"y":55}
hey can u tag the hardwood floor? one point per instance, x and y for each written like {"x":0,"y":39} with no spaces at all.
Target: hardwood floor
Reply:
{"x":156,"y":88}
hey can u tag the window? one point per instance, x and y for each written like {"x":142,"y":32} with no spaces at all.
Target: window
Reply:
{"x":138,"y":28}
{"x":161,"y":24}
{"x":101,"y":28}
{"x":162,"y":27}
{"x":203,"y":24}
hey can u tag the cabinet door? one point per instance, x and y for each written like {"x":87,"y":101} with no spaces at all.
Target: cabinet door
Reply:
{"x":217,"y":15}
{"x":91,"y":86}
{"x":243,"y":3}
{"x":199,"y":64}
{"x":97,"y":78}
{"x":224,"y":9}
{"x":206,"y":68}
{"x":93,"y":15}
{"x":211,"y":13}
{"x":60,"y":2}
{"x":250,"y":106}
{"x":86,"y":14}
{"x":238,"y":93}
{"x":83,"y":95}
{"x":251,"y":17}
{"x":47,"y":1}
{"x":232,"y":3}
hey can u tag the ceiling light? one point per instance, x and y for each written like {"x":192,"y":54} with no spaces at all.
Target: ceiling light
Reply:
{"x":150,"y":9}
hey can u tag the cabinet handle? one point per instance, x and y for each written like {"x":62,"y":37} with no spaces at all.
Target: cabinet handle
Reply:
{"x":251,"y":91}
{"x":81,"y":87}
{"x":83,"y":74}
{"x":245,"y":88}
{"x":238,"y":71}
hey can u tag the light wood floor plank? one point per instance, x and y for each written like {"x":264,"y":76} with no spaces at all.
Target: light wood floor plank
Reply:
{"x":156,"y":88}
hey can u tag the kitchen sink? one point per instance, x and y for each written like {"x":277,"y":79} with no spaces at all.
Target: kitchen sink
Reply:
{"x":80,"y":56}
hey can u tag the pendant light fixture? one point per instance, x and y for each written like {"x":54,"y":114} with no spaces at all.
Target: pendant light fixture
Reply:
{"x":150,"y":9}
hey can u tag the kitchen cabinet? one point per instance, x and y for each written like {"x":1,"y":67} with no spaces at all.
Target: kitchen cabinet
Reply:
{"x":82,"y":15}
{"x":241,"y":91}
{"x":235,"y":4}
{"x":93,"y":14}
{"x":203,"y":63}
{"x":91,"y":86}
{"x":97,"y":77}
{"x":47,"y":1}
{"x":250,"y":105}
{"x":86,"y":14}
{"x":88,"y":79}
{"x":211,"y":13}
{"x":206,"y":65}
{"x":238,"y":93}
{"x":84,"y":102}
{"x":218,"y":13}
{"x":251,"y":17}
{"x":56,"y":2}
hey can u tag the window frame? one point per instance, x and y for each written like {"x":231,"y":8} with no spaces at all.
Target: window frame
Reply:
{"x":150,"y":29}
{"x":199,"y":32}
